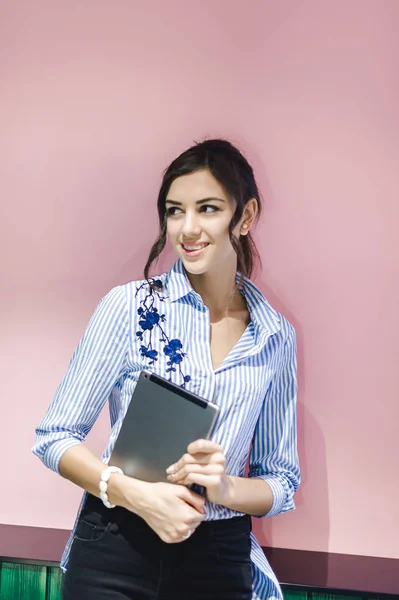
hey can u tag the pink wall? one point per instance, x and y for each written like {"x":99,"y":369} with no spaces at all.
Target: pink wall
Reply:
{"x":97,"y":97}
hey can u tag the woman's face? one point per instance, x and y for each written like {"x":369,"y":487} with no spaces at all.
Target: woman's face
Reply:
{"x":198,"y":217}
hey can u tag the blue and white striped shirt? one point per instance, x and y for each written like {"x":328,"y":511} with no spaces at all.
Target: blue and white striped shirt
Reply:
{"x":168,"y":332}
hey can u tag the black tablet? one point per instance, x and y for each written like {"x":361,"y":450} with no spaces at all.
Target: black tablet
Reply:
{"x":161,"y":421}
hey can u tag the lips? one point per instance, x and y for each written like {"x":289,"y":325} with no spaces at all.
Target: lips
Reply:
{"x":194,"y":247}
{"x":193,"y":250}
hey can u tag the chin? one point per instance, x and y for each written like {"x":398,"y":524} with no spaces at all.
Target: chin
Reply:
{"x":194,"y":268}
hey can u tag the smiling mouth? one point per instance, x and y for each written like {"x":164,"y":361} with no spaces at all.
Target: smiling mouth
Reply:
{"x":194,"y":246}
{"x":194,"y":249}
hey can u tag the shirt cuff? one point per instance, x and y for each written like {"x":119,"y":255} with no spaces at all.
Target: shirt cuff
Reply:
{"x":279,"y":494}
{"x":54,"y":451}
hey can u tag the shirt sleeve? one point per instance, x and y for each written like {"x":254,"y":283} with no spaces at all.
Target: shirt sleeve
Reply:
{"x":95,"y":367}
{"x":274,"y":456}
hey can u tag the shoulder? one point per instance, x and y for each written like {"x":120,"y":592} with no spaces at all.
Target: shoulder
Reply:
{"x":138,"y":290}
{"x":287,"y":330}
{"x":273,"y":322}
{"x":114,"y":301}
{"x":282,"y":340}
{"x":131,"y":295}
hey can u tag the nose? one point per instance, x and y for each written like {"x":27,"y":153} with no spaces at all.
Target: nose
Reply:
{"x":191,"y":225}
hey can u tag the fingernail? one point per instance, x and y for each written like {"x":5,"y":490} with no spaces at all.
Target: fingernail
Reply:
{"x":170,"y":469}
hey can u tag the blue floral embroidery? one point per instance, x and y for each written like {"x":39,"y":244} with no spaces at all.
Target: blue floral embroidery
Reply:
{"x":150,"y":320}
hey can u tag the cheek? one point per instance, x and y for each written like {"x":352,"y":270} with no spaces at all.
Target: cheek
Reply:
{"x":219,"y":230}
{"x":220,"y":238}
{"x":171,"y":230}
{"x":225,"y":239}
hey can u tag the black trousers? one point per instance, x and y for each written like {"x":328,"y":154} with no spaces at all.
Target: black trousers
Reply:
{"x":115,"y":555}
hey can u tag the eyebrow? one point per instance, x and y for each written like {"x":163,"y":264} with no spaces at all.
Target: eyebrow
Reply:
{"x":202,"y":201}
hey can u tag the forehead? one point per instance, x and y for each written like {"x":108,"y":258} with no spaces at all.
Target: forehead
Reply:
{"x":196,"y":186}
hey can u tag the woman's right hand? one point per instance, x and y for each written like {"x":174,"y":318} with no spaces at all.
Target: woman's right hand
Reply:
{"x":172,"y":511}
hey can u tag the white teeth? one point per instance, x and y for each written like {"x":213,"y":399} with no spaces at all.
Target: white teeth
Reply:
{"x":193,"y":247}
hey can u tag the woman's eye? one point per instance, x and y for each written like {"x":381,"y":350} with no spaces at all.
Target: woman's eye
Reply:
{"x":173,"y":210}
{"x":209,"y":208}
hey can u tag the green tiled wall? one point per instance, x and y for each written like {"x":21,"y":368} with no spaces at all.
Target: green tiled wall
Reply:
{"x":29,"y":582}
{"x":35,"y":582}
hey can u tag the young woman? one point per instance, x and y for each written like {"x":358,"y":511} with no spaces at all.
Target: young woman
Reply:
{"x":205,"y":326}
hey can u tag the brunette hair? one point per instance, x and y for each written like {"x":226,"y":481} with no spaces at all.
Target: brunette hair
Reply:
{"x":232,"y":170}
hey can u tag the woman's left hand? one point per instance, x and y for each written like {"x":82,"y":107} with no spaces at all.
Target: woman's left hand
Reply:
{"x":203,"y":464}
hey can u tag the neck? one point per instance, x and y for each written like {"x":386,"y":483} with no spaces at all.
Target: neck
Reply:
{"x":218,"y":291}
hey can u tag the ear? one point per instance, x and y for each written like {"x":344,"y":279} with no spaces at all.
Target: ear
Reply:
{"x":248,"y":216}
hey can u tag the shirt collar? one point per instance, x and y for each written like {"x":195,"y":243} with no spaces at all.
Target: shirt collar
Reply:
{"x":262,"y":314}
{"x":177,"y":282}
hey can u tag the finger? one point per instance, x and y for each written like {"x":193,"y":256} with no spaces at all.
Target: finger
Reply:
{"x":200,"y":479}
{"x":205,"y":446}
{"x":194,"y":522}
{"x":209,"y":469}
{"x":211,"y":458}
{"x":198,"y":458}
{"x":185,"y":459}
{"x":184,"y":530}
{"x":181,"y":476}
{"x":195,"y":500}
